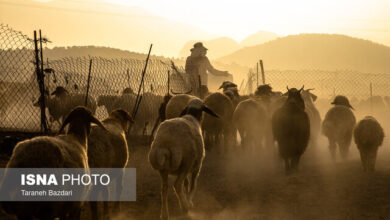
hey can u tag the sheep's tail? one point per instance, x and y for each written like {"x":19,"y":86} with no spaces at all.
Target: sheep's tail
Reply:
{"x":159,"y":158}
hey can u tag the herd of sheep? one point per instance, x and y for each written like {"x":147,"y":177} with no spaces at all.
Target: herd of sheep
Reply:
{"x":189,"y":126}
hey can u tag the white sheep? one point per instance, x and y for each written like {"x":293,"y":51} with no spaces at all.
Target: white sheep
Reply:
{"x":70,"y":101}
{"x":108,"y":149}
{"x":313,"y":113}
{"x":147,"y":112}
{"x":368,"y":135}
{"x":108,"y":102}
{"x":178,"y":149}
{"x":63,"y":103}
{"x":62,"y":151}
{"x":176,"y":104}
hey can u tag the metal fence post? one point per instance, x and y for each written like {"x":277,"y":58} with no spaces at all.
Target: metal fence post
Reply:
{"x":40,"y":79}
{"x":88,"y":82}
{"x":262,"y":71}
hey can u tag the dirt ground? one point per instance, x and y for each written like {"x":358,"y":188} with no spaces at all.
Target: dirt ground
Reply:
{"x":252,"y":185}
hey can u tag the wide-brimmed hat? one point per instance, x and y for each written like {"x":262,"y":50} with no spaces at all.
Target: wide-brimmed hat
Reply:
{"x":199,"y":45}
{"x":342,"y":100}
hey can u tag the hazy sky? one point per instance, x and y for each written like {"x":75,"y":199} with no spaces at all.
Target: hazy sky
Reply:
{"x":368,"y":19}
{"x":239,"y":18}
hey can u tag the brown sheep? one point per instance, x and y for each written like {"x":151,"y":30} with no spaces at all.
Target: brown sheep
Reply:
{"x":338,"y":126}
{"x":368,"y":136}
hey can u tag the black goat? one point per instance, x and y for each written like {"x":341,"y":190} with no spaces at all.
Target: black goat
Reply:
{"x":291,"y":129}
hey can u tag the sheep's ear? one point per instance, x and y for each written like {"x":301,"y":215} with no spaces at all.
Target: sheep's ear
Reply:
{"x":96,"y":121}
{"x":184,"y":111}
{"x":66,"y":122}
{"x":124,"y":114}
{"x":314,"y":97}
{"x":209,"y":111}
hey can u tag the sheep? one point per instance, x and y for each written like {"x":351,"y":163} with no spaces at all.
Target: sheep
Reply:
{"x":368,"y":136}
{"x":63,"y":103}
{"x":250,"y":119}
{"x":146,"y":113}
{"x":230,"y":89}
{"x":176,"y":104}
{"x":62,"y":151}
{"x":73,"y":100}
{"x":291,"y":129}
{"x":108,"y":102}
{"x":178,"y":149}
{"x":108,"y":149}
{"x":338,"y":126}
{"x":216,"y":128}
{"x":313,"y":113}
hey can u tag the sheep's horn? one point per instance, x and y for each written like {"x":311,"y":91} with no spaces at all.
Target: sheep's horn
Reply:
{"x":209,"y":111}
{"x":302,"y":88}
{"x":287,"y":88}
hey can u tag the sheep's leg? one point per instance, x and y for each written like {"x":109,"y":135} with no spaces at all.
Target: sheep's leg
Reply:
{"x":295,"y":162}
{"x":372,"y":158}
{"x":332,"y":148}
{"x":106,"y":196}
{"x":287,"y":166}
{"x":93,"y":204}
{"x":186,"y":185}
{"x":207,"y":140}
{"x":94,"y":210}
{"x":344,"y":149}
{"x":194,"y":180}
{"x":119,"y":188}
{"x":178,"y":187}
{"x":363,"y":158}
{"x":164,"y":195}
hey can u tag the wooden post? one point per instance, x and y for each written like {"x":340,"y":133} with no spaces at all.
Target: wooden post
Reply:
{"x":40,"y":79}
{"x":88,"y":82}
{"x":199,"y":87}
{"x":128,"y":77}
{"x":168,"y":84}
{"x":139,"y":98}
{"x":257,"y":75}
{"x":371,"y":106}
{"x":262,"y":71}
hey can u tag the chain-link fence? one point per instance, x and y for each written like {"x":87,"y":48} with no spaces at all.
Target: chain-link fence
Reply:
{"x":115,"y":83}
{"x":18,"y":85}
{"x":19,"y":92}
{"x":350,"y":83}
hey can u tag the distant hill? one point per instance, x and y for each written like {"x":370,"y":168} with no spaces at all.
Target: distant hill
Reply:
{"x":217,"y":47}
{"x":258,"y":38}
{"x":105,"y":52}
{"x":320,"y":51}
{"x":223,"y":46}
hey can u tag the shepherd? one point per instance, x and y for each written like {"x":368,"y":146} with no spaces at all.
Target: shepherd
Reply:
{"x":197,"y":65}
